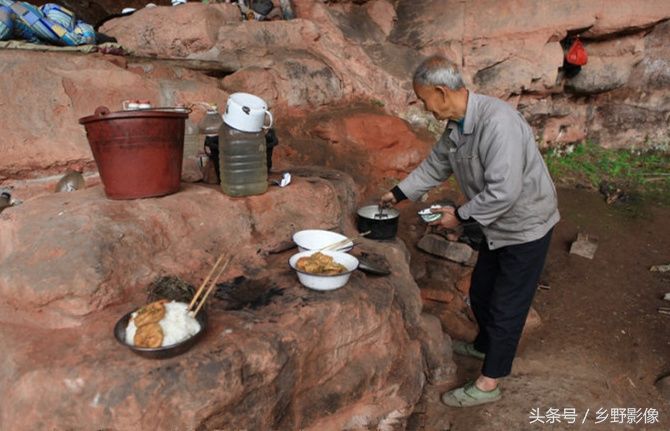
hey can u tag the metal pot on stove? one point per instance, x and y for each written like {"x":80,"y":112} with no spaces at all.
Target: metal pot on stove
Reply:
{"x":381,"y":222}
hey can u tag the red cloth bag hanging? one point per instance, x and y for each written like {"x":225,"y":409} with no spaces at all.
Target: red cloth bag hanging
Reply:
{"x":577,"y":54}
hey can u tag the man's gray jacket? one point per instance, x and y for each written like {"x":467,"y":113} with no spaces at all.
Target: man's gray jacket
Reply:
{"x":499,"y":169}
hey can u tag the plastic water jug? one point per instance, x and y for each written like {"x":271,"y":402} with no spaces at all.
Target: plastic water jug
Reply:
{"x":242,"y":160}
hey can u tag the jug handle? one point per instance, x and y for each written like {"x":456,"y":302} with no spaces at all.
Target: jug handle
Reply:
{"x":269,"y":125}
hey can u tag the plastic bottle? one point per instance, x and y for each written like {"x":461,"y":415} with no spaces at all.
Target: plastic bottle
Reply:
{"x":191,"y":142}
{"x":191,"y":171}
{"x":243,"y":162}
{"x":209,"y":135}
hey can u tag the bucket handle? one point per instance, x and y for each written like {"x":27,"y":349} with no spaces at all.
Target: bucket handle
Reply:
{"x":101,"y":111}
{"x":269,"y":125}
{"x":185,"y":109}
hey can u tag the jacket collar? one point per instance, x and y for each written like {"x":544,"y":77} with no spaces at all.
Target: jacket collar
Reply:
{"x":470,"y":113}
{"x":470,"y":119}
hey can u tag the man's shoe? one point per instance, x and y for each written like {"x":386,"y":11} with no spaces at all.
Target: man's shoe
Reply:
{"x":467,"y":349}
{"x":470,"y":395}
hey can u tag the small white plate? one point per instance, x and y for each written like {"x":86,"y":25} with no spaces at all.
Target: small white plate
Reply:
{"x":428,"y":216}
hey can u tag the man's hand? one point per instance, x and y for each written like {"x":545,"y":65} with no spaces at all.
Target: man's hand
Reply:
{"x":448,"y":220}
{"x":387,"y":200}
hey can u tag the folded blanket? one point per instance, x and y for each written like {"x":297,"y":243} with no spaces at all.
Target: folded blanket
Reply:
{"x":52,"y":24}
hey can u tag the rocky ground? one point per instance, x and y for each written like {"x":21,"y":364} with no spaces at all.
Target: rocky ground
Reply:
{"x":601,"y":345}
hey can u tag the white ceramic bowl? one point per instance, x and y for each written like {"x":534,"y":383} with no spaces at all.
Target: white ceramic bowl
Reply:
{"x":325,"y":282}
{"x":316,"y":239}
{"x":428,"y":216}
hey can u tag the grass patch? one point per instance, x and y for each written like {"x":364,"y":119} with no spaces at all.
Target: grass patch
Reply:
{"x":644,"y":172}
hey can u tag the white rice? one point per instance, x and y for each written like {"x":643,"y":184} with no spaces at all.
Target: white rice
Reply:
{"x":178,"y":324}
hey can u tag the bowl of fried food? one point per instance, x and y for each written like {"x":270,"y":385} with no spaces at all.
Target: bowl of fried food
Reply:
{"x":323,"y":270}
{"x":161,"y":329}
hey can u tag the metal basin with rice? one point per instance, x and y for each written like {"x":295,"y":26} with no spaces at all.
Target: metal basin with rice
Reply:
{"x":163,"y":352}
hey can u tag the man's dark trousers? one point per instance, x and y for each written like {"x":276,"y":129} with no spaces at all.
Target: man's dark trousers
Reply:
{"x":503,"y":285}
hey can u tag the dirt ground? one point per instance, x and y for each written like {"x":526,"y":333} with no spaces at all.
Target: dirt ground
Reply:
{"x":602,"y":344}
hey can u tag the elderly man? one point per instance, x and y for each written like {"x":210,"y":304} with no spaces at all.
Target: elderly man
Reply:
{"x":491,"y":149}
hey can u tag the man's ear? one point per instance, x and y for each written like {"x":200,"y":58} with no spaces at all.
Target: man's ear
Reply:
{"x":442,"y":91}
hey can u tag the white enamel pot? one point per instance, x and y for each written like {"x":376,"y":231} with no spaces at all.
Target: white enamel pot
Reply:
{"x":247,"y":113}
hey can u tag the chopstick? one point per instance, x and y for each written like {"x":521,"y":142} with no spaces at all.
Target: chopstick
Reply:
{"x":338,"y":244}
{"x":212,"y":285}
{"x":204,"y":283}
{"x":380,"y":211}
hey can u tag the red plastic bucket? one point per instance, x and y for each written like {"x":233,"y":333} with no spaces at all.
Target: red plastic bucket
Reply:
{"x":138,"y":153}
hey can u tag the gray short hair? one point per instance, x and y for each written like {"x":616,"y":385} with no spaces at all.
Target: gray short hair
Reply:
{"x":438,"y":71}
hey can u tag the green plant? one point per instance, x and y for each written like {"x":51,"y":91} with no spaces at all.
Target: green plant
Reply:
{"x":645,"y":171}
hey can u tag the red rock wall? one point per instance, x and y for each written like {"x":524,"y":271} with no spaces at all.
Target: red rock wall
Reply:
{"x":339,"y":53}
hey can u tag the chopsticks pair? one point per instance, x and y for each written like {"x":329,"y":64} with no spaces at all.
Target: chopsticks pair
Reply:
{"x":336,"y":245}
{"x":219,"y":269}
